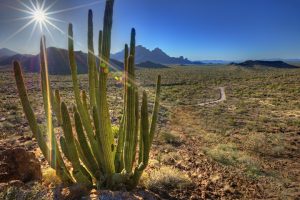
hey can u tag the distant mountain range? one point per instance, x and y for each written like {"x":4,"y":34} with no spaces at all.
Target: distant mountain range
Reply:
{"x":6,"y":52}
{"x":58,"y":61}
{"x":261,"y":63}
{"x":155,"y":56}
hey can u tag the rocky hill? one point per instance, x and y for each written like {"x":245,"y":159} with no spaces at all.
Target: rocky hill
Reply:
{"x":156,"y":56}
{"x":260,"y":63}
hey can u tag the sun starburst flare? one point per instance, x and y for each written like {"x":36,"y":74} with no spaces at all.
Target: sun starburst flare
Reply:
{"x":41,"y":16}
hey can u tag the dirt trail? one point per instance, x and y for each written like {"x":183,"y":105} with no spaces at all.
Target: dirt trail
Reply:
{"x":222,"y":98}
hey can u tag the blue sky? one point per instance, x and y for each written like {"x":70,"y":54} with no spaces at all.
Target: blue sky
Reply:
{"x":197,"y":29}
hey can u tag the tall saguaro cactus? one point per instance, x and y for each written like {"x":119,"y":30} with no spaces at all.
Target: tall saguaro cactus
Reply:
{"x":96,"y":158}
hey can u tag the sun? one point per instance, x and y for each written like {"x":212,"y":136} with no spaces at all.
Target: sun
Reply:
{"x":39,"y":16}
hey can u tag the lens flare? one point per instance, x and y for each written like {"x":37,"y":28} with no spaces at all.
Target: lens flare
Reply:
{"x":39,"y":16}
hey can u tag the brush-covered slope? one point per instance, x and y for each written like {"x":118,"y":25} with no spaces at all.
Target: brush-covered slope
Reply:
{"x":149,"y":64}
{"x":261,"y":63}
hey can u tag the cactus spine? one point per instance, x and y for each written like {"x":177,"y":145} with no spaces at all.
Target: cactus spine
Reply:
{"x":96,"y":158}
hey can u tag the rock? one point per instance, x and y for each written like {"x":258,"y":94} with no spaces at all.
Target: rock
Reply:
{"x":227,"y":188}
{"x":73,"y":192}
{"x":16,"y":183}
{"x":18,"y":164}
{"x":120,"y":195}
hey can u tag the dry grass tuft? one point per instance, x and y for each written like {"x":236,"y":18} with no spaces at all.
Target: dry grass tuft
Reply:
{"x":172,"y":138}
{"x":166,"y":178}
{"x":229,"y":154}
{"x":50,"y":177}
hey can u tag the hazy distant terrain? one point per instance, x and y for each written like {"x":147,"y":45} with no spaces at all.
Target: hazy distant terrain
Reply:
{"x":6,"y":53}
{"x":271,"y":64}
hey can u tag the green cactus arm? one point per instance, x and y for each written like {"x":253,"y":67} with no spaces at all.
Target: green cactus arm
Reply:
{"x":155,"y":109}
{"x":68,"y":133}
{"x":100,"y":41}
{"x":105,"y":131}
{"x":105,"y":159}
{"x":78,"y":174}
{"x":130,"y":88}
{"x":83,"y":113}
{"x":61,"y":169}
{"x":132,"y":44}
{"x":57,"y":106}
{"x":141,"y":147}
{"x":119,"y":165}
{"x":98,"y":71}
{"x":86,"y":173}
{"x":46,"y":91}
{"x":144,"y":145}
{"x":126,"y":57}
{"x":134,"y":180}
{"x":107,"y":27}
{"x":87,"y":124}
{"x":91,"y":61}
{"x":131,"y":72}
{"x":84,"y":100}
{"x":119,"y":159}
{"x":145,"y":129}
{"x":82,"y":156}
{"x":28,"y":109}
{"x":85,"y":162}
{"x":64,"y":148}
{"x":54,"y":157}
{"x":91,"y":163}
{"x":98,"y":101}
{"x":130,"y":118}
{"x":136,"y":130}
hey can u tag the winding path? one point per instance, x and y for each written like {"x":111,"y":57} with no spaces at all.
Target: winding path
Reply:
{"x":222,"y":98}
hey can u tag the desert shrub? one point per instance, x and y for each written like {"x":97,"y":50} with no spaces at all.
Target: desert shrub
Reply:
{"x":224,"y":153}
{"x":50,"y":177}
{"x":171,"y":138}
{"x":229,"y":154}
{"x":35,"y":192}
{"x":167,"y":178}
{"x":171,"y":157}
{"x":266,"y":144}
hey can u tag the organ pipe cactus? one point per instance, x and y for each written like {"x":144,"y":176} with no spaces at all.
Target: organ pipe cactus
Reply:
{"x":90,"y":148}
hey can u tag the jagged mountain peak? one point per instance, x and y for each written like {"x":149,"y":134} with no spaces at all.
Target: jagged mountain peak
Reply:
{"x":156,"y":55}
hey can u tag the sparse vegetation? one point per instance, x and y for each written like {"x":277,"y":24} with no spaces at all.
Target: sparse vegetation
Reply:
{"x":36,"y":192}
{"x":50,"y":177}
{"x":259,"y":121}
{"x":171,"y":138}
{"x":166,"y":178}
